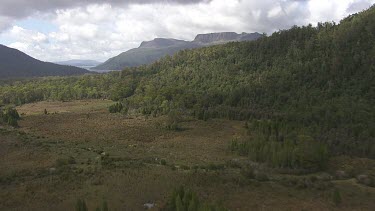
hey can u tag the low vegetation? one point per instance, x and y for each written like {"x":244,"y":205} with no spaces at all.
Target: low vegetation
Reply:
{"x":116,"y":108}
{"x":85,"y":152}
{"x":9,"y":116}
{"x":186,"y":200}
{"x":275,"y":145}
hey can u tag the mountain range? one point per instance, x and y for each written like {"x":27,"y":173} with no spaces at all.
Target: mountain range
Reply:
{"x":150,"y":51}
{"x":16,"y":64}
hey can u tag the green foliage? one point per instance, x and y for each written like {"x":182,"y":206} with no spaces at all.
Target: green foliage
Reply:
{"x":185,"y":200}
{"x":60,"y":162}
{"x":272,"y":144}
{"x":104,"y":206}
{"x":81,"y":205}
{"x":9,"y":116}
{"x":163,"y":162}
{"x":116,"y":108}
{"x":336,"y":197}
{"x":173,"y":120}
{"x":113,"y":86}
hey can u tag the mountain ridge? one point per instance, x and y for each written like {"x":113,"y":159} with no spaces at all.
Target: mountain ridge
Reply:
{"x":17,"y":64}
{"x":153,"y":50}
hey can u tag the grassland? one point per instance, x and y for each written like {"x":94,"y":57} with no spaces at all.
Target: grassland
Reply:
{"x":80,"y":150}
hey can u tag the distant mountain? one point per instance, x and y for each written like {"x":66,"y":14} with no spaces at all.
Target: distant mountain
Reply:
{"x":224,"y":37}
{"x":150,"y":51}
{"x":16,"y":64}
{"x":79,"y":63}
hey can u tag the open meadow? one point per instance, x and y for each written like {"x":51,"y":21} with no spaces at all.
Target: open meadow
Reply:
{"x":78,"y":150}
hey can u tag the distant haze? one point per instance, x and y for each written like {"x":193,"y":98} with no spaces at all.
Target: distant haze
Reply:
{"x":86,"y":64}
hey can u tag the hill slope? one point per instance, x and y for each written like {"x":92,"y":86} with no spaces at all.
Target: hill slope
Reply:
{"x":16,"y":64}
{"x":305,"y":83}
{"x":316,"y":82}
{"x":150,"y":51}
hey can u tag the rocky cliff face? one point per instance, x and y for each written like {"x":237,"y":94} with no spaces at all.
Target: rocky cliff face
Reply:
{"x":162,"y":42}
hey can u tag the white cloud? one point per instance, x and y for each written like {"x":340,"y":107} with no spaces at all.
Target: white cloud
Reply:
{"x":27,"y":36}
{"x":5,"y":22}
{"x":100,"y":31}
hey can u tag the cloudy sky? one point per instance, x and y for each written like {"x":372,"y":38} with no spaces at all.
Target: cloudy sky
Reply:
{"x":56,"y":30}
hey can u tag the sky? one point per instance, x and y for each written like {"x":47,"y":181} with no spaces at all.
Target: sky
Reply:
{"x":61,"y":30}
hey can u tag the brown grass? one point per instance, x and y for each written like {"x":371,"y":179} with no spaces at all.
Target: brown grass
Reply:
{"x":131,"y":174}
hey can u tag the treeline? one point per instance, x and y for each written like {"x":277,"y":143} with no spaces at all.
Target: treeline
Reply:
{"x":316,"y":81}
{"x":271,"y":142}
{"x":186,"y":200}
{"x":114,"y":86}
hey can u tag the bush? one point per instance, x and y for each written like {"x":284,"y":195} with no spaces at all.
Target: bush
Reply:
{"x":116,"y":108}
{"x":248,"y":173}
{"x":215,"y":167}
{"x":173,"y":120}
{"x":64,"y":161}
{"x":81,"y":205}
{"x":234,"y":145}
{"x":366,"y":180}
{"x":336,"y":197}
{"x":182,"y":199}
{"x":261,"y":177}
{"x":163,"y":162}
{"x":10,"y":116}
{"x":104,"y":206}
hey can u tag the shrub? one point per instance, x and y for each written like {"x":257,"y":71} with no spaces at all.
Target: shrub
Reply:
{"x":215,"y":167}
{"x":81,"y":205}
{"x":336,"y":197}
{"x":104,"y":206}
{"x":116,"y":108}
{"x":366,"y":180}
{"x":163,"y":162}
{"x":233,"y":145}
{"x":182,"y":199}
{"x":261,"y":177}
{"x":64,"y":161}
{"x":10,"y":116}
{"x":248,"y":173}
{"x":173,"y":120}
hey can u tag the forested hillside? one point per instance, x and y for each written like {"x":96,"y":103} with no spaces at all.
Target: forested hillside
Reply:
{"x":305,"y":83}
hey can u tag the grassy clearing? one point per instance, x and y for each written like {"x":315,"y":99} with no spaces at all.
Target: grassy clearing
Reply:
{"x":80,"y":150}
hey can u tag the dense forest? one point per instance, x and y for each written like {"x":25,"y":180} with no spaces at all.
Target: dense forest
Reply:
{"x":303,"y":85}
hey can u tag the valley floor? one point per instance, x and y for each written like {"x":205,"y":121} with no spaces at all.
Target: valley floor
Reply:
{"x":81,"y":151}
